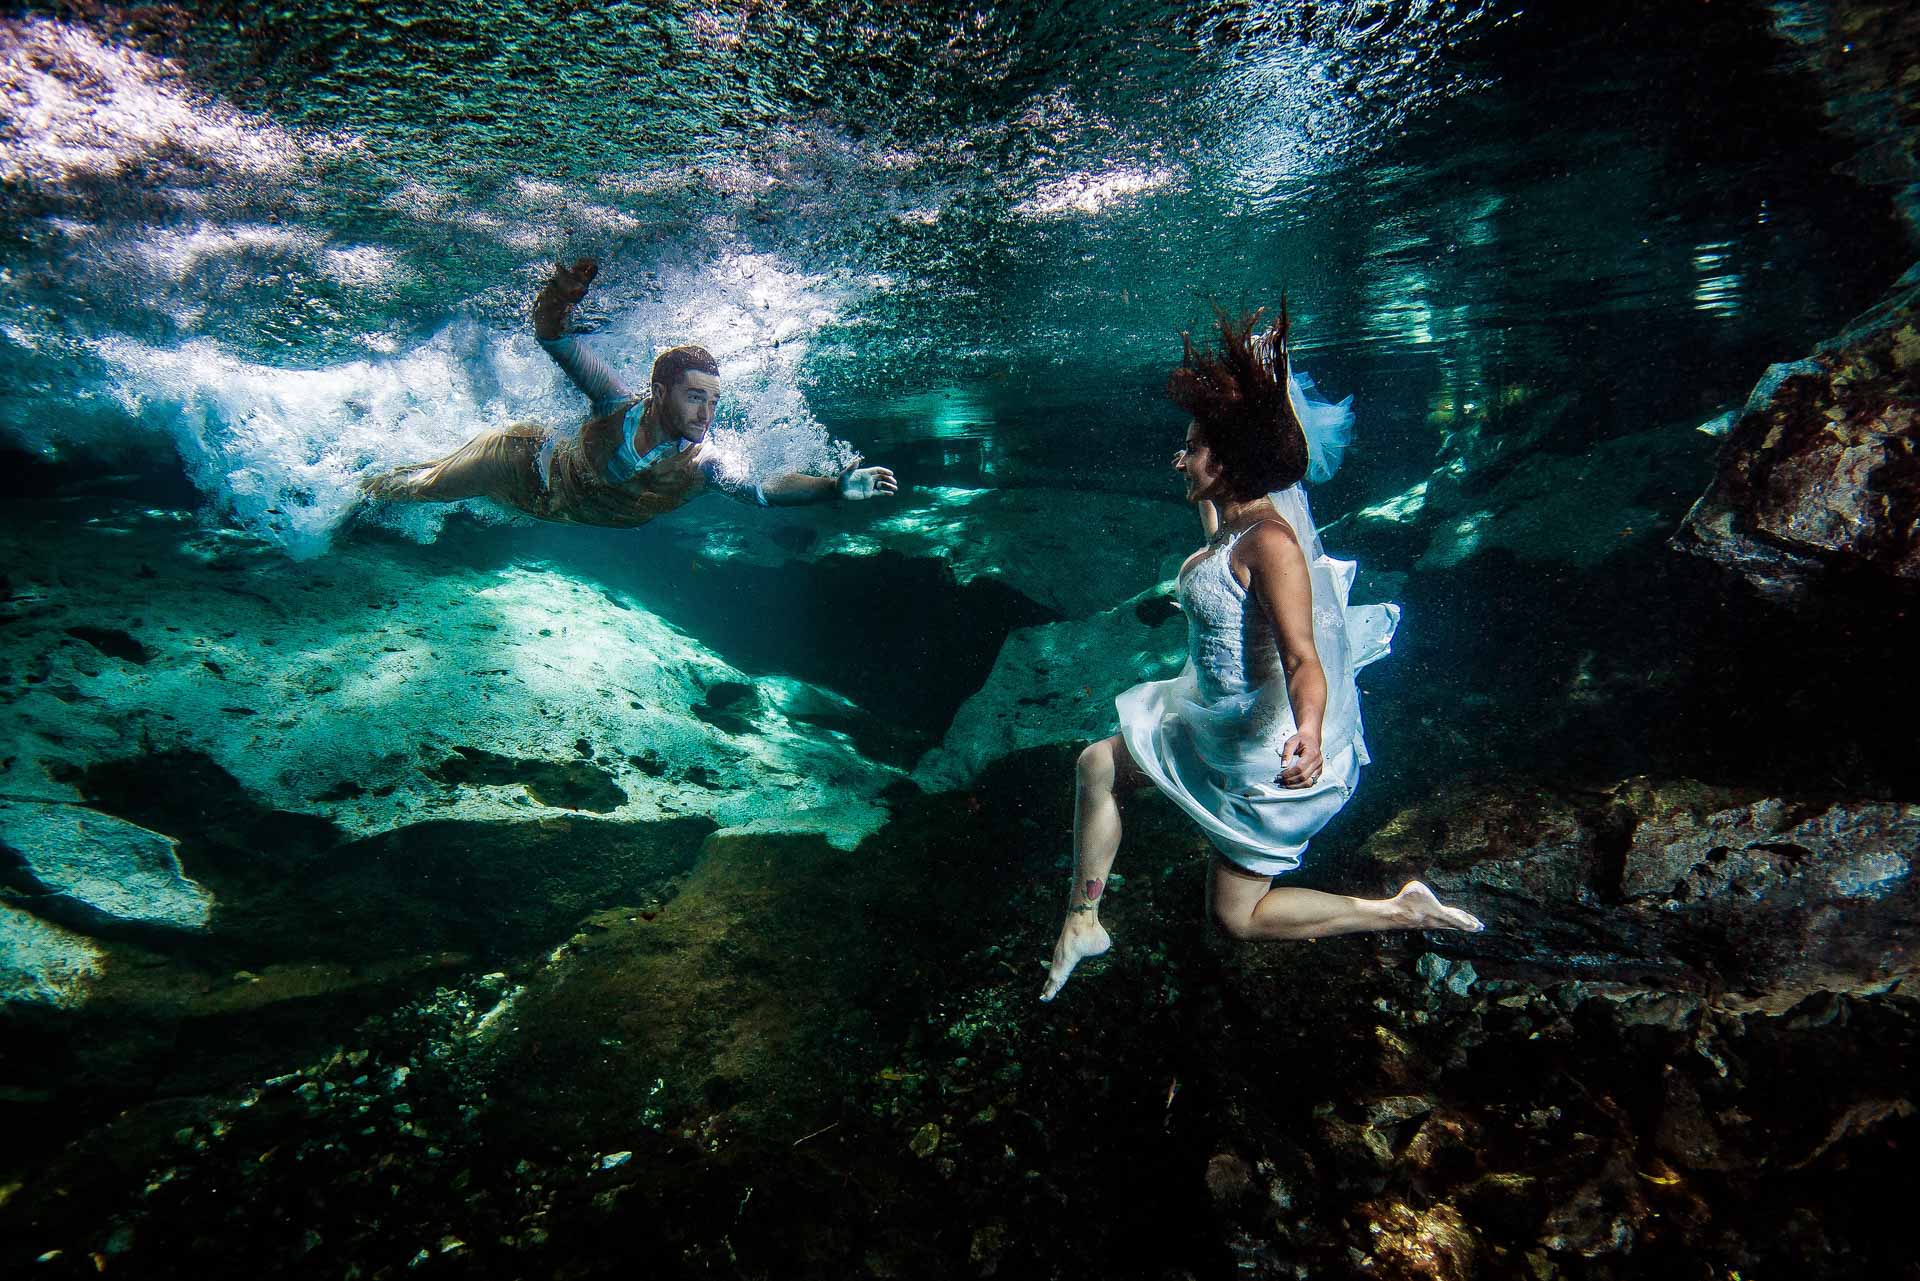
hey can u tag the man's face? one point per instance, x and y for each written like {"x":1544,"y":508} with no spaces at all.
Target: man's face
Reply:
{"x":687,"y":409}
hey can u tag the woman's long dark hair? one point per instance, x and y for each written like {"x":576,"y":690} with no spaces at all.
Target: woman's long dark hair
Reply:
{"x":1241,"y":408}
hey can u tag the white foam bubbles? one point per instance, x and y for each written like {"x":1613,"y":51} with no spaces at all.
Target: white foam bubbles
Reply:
{"x":281,"y":451}
{"x":1091,"y":193}
{"x":755,"y":313}
{"x":175,"y":254}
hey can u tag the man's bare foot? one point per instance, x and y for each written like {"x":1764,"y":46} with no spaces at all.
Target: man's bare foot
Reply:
{"x":1424,"y":911}
{"x":565,"y":287}
{"x":1080,"y":937}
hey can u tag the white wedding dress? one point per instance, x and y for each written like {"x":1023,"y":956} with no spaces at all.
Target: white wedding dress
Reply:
{"x":1210,"y":738}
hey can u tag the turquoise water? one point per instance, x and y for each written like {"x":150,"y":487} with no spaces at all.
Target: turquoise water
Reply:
{"x":966,"y":245}
{"x":446,"y":893}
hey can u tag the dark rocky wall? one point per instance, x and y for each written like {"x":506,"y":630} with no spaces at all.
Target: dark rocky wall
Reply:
{"x":1820,"y":478}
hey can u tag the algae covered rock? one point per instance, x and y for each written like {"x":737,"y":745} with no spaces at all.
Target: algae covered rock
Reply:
{"x":1678,"y":882}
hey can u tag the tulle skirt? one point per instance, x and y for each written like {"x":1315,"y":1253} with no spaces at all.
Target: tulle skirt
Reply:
{"x":1229,"y":784}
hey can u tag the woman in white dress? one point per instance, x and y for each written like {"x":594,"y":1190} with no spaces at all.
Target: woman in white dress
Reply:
{"x":1259,"y":737}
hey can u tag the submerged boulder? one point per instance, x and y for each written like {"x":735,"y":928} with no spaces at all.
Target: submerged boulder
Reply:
{"x":329,"y":777}
{"x":1821,"y":474}
{"x":1056,"y":684}
{"x":42,"y":964}
{"x":1679,"y":883}
{"x":387,"y":684}
{"x":94,"y":866}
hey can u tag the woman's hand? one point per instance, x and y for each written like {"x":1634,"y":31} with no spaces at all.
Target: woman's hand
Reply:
{"x":1301,"y":756}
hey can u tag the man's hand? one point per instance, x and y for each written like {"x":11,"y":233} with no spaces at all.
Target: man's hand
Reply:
{"x":565,"y":287}
{"x":857,"y":482}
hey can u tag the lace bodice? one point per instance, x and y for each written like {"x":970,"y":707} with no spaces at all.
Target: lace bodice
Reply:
{"x":1229,"y":637}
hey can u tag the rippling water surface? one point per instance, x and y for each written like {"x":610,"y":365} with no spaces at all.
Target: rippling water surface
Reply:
{"x":296,"y":241}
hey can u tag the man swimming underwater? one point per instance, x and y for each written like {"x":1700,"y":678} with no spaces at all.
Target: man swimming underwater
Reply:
{"x":635,"y":457}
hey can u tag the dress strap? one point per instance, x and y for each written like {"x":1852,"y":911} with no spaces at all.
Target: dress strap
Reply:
{"x":1275,"y":519}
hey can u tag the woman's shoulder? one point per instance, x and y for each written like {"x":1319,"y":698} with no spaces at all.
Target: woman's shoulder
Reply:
{"x":1271,"y":542}
{"x":1271,"y":532}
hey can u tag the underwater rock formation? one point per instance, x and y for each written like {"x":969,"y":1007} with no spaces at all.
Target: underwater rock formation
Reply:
{"x":1071,"y":551}
{"x":235,"y":784}
{"x":42,"y":964}
{"x":1761,"y":901}
{"x":1056,"y":684}
{"x":1863,"y":53}
{"x":1820,"y":477}
{"x":312,"y":927}
{"x":389,"y":684}
{"x":1509,"y":493}
{"x":76,"y":861}
{"x":1819,"y":481}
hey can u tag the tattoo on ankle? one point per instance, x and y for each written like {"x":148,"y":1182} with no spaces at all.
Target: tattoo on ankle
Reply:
{"x":1080,"y":907}
{"x":1093,"y":890}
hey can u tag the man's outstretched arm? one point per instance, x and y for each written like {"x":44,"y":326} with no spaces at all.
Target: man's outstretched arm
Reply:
{"x":855,"y":483}
{"x":565,"y":287}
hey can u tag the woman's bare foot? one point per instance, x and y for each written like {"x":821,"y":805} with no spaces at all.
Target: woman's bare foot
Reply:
{"x":1424,"y":911}
{"x":1082,"y":936}
{"x":565,"y":287}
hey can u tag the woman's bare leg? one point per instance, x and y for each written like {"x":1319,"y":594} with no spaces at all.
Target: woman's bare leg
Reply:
{"x":1247,"y":907}
{"x":1104,"y":774}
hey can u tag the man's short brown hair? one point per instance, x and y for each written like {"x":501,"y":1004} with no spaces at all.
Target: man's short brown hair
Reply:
{"x":671,"y":365}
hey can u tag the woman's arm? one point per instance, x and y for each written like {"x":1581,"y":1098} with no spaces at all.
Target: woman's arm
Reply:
{"x":1278,"y":577}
